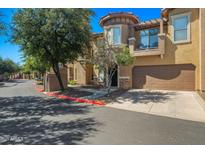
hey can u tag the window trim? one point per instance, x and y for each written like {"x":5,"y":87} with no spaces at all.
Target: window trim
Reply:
{"x":114,"y":26}
{"x":173,"y":17}
{"x":149,"y":39}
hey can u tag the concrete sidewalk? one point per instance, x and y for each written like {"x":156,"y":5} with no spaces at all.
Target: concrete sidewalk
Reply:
{"x":176,"y":104}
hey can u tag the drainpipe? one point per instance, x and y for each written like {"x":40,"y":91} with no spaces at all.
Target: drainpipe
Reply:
{"x":161,"y":26}
{"x":132,"y":43}
{"x":161,"y":38}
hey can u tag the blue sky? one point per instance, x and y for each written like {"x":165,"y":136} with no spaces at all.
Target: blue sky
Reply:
{"x":8,"y":50}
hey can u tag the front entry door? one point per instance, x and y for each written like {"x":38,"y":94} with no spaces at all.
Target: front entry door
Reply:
{"x":115,"y":78}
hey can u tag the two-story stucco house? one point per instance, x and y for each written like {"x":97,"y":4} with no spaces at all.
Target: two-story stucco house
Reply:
{"x":169,"y":52}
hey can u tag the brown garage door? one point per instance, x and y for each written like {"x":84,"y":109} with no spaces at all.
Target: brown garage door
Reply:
{"x":169,"y":77}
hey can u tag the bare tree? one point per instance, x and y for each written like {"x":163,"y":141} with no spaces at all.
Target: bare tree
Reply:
{"x":107,"y":57}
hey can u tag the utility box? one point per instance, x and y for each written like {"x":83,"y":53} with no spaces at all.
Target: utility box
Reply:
{"x":51,"y":82}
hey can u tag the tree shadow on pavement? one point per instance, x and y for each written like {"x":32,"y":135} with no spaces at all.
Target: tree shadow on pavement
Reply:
{"x":145,"y":97}
{"x":18,"y":81}
{"x":11,"y":83}
{"x":7,"y":86}
{"x":22,"y":121}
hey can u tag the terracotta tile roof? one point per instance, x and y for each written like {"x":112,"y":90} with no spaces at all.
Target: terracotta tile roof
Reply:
{"x":147,"y":24}
{"x":118,"y":14}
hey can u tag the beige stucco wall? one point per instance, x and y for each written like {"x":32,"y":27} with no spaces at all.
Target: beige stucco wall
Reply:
{"x":89,"y":73}
{"x":125,"y":77}
{"x":70,"y":72}
{"x":79,"y":73}
{"x":187,"y":53}
{"x":51,"y":81}
{"x":202,"y":49}
{"x":82,"y":73}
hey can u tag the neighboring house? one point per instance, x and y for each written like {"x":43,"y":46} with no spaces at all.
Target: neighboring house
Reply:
{"x":169,"y":53}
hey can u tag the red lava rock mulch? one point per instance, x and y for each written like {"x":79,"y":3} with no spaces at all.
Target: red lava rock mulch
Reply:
{"x":39,"y":88}
{"x":75,"y":92}
{"x":72,"y":92}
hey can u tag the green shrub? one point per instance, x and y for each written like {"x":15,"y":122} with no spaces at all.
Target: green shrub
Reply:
{"x":124,"y":58}
{"x":6,"y":76}
{"x":39,"y":82}
{"x":72,"y":82}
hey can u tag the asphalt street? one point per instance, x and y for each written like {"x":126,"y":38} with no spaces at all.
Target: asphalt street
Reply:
{"x":30,"y":117}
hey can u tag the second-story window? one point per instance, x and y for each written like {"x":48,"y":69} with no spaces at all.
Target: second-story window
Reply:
{"x":181,"y":28}
{"x":148,"y":38}
{"x":114,"y":35}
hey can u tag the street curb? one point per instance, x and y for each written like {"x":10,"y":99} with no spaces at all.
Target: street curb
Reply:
{"x":39,"y":90}
{"x":78,"y":100}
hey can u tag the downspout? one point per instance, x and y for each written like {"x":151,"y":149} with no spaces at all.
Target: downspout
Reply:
{"x":200,"y":52}
{"x":161,"y":38}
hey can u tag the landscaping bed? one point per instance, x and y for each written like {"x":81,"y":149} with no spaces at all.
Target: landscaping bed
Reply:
{"x":39,"y":87}
{"x":39,"y":82}
{"x":97,"y":87}
{"x":113,"y":96}
{"x":75,"y":92}
{"x":72,"y":92}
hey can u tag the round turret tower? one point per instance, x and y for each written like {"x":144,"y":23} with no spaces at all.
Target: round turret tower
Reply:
{"x":123,"y":22}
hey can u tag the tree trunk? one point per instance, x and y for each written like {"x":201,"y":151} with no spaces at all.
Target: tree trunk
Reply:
{"x":109,"y":86}
{"x":56,"y":69}
{"x":105,"y":77}
{"x":110,"y":75}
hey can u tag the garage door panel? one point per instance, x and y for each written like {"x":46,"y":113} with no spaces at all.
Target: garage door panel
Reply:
{"x":169,"y":77}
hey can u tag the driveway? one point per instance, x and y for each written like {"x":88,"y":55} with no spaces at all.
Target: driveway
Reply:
{"x":30,"y":117}
{"x":177,"y":104}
